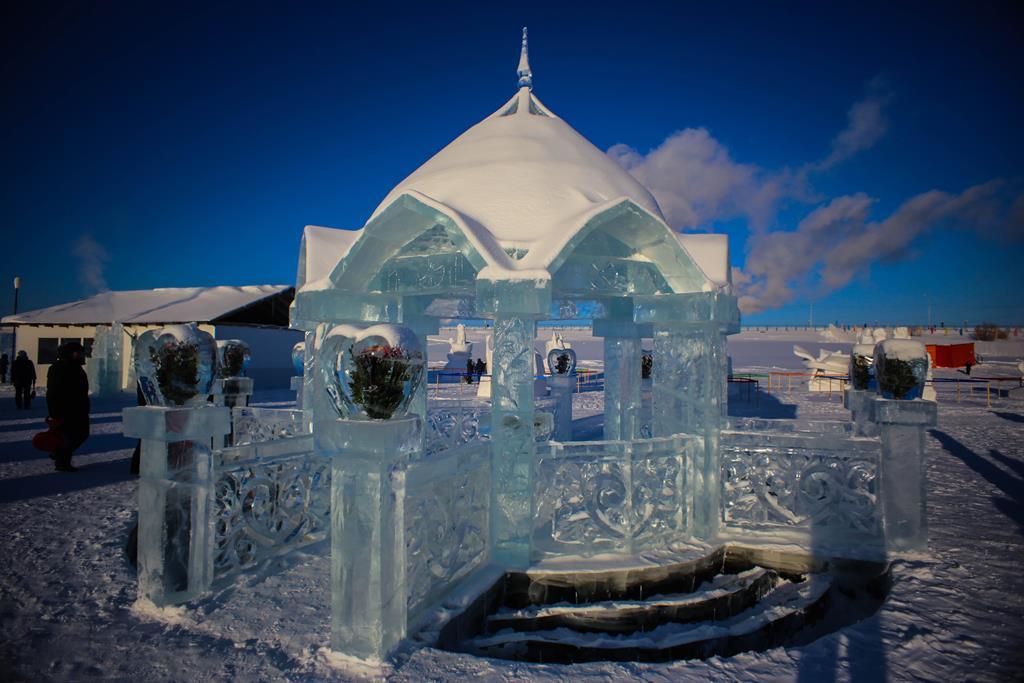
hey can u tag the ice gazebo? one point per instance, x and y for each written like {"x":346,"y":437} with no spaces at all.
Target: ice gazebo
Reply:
{"x":440,"y":509}
{"x":521,"y":219}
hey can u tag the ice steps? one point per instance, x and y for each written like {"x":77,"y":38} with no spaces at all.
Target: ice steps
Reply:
{"x":720,"y":598}
{"x":767,"y":624}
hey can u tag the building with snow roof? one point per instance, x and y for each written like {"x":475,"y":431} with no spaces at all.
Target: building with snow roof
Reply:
{"x":256,"y":314}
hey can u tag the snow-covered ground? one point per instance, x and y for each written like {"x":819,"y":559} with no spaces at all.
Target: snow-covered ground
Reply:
{"x":68,"y":608}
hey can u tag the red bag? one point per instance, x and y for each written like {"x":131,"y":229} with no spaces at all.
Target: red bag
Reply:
{"x":52,"y":440}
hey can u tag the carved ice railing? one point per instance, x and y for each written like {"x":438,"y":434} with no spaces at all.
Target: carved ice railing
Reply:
{"x":621,"y":497}
{"x":805,"y":481}
{"x":207,"y":512}
{"x":257,"y":425}
{"x":453,"y":424}
{"x":447,"y":522}
{"x":270,"y":497}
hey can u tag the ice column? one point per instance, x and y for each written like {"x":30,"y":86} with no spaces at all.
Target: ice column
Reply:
{"x":689,"y":362}
{"x":368,"y":547}
{"x":512,"y":438}
{"x":175,"y":554}
{"x":622,"y":376}
{"x":901,"y":426}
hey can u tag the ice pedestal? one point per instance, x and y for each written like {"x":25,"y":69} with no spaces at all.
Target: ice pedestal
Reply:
{"x":860,"y":403}
{"x":368,"y":545}
{"x":175,"y":555}
{"x":232,"y":392}
{"x":105,"y":364}
{"x":562,"y":387}
{"x":901,"y":426}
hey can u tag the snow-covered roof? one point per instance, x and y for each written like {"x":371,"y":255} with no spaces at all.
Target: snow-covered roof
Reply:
{"x":523,"y":175}
{"x":320,"y":250}
{"x":516,"y":195}
{"x":710,"y":253}
{"x":168,"y":305}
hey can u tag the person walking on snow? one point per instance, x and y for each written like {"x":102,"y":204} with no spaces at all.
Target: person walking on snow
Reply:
{"x":23,"y":377}
{"x":4,"y":362}
{"x":67,"y":399}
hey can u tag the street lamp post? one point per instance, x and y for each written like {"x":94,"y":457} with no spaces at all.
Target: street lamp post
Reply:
{"x":14,"y":326}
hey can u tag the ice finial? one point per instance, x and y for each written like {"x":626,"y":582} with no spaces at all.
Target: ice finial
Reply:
{"x":524,"y":73}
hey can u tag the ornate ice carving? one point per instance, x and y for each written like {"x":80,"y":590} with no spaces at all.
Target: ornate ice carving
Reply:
{"x":449,"y":428}
{"x":264,"y":507}
{"x":259,"y":425}
{"x":775,"y":486}
{"x":611,"y":496}
{"x":446,"y":524}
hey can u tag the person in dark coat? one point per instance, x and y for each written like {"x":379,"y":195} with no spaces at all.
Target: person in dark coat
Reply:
{"x":67,"y":399}
{"x":469,"y":371}
{"x":23,"y":377}
{"x":4,"y":364}
{"x":481,"y":368}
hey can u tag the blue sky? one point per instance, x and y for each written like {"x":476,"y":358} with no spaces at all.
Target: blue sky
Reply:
{"x":862,"y":157}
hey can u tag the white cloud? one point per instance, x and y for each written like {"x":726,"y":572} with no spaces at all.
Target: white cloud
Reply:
{"x":837,"y":242}
{"x":697,"y":182}
{"x":866,"y":124}
{"x":92,"y":262}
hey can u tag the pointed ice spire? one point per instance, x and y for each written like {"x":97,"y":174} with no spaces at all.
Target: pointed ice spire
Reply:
{"x":524,"y":73}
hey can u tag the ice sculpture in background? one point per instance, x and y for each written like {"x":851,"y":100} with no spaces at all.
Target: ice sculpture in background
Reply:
{"x":556,"y":342}
{"x":561,"y":383}
{"x":105,"y":364}
{"x":460,"y":351}
{"x":827,"y":370}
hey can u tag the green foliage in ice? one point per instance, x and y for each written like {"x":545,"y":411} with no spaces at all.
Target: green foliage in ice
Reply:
{"x":177,"y":370}
{"x":378,"y":380}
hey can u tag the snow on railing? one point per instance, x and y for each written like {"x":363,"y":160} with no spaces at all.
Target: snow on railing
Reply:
{"x":809,"y":481}
{"x":611,"y":496}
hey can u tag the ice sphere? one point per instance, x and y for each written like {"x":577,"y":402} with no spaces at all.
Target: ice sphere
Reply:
{"x":299,"y":358}
{"x":562,"y":361}
{"x":371,"y":372}
{"x":175,"y":365}
{"x":233,"y":358}
{"x":901,"y":366}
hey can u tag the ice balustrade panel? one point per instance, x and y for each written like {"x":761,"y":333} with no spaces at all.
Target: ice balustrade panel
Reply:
{"x":825,"y":483}
{"x":259,"y":425}
{"x":447,"y":520}
{"x":268,"y":498}
{"x":611,"y":496}
{"x":452,"y":424}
